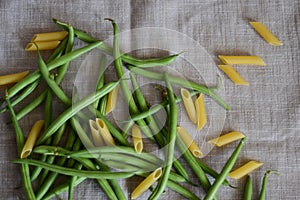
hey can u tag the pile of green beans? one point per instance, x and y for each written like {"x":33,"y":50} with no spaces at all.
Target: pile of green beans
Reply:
{"x":60,"y":151}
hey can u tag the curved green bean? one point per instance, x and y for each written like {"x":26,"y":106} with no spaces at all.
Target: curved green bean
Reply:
{"x":73,"y":172}
{"x":20,"y":143}
{"x":181,"y":82}
{"x":171,"y":138}
{"x":262,"y":194}
{"x":248,"y":189}
{"x":226,"y":169}
{"x":70,"y":112}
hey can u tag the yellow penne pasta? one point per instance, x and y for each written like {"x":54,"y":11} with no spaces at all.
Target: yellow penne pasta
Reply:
{"x":264,"y":32}
{"x":146,"y":183}
{"x":112,"y":100}
{"x":226,"y":139}
{"x":50,"y":36}
{"x":105,"y":133}
{"x":97,"y":138}
{"x":189,"y":142}
{"x":200,"y":111}
{"x":245,"y":169}
{"x":233,"y":75}
{"x":47,"y":45}
{"x":242,"y":60}
{"x":137,"y":139}
{"x":189,"y":105}
{"x":32,"y":137}
{"x":12,"y":78}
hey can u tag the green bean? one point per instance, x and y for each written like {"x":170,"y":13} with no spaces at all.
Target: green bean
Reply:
{"x":182,"y":190}
{"x":226,"y":169}
{"x":72,"y":181}
{"x":20,"y":142}
{"x":48,"y":109}
{"x":101,"y":79}
{"x":62,"y":188}
{"x":32,"y":105}
{"x":51,"y":82}
{"x":262,"y":194}
{"x":181,"y":82}
{"x":152,"y":62}
{"x":248,"y":189}
{"x":124,"y":86}
{"x":73,"y":172}
{"x":173,"y":116}
{"x":51,"y":65}
{"x":151,"y":121}
{"x":70,"y":112}
{"x":192,"y":161}
{"x":102,"y":106}
{"x":212,"y":172}
{"x":81,"y":133}
{"x":28,"y":90}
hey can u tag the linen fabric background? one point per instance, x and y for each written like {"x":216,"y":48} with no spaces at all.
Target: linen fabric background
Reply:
{"x":267,"y":111}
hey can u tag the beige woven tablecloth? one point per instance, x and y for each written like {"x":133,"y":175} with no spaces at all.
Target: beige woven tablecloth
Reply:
{"x":267,"y":111}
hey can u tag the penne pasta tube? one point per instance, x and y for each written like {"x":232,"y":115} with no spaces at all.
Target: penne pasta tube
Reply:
{"x":264,"y":32}
{"x":32,"y":137}
{"x":242,"y":60}
{"x":50,"y":36}
{"x":189,"y":105}
{"x":47,"y":45}
{"x":137,"y":138}
{"x":112,"y":100}
{"x":226,"y":139}
{"x":105,"y":133}
{"x":245,"y":169}
{"x":97,"y":138}
{"x":189,"y":142}
{"x":12,"y":78}
{"x":201,"y":112}
{"x":146,"y":183}
{"x":233,"y":75}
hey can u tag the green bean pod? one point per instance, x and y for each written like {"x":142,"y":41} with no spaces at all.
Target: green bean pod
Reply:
{"x":226,"y":169}
{"x":73,"y":172}
{"x":262,"y":194}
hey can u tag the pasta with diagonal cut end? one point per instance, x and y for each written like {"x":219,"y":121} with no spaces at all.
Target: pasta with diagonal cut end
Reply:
{"x":233,"y":75}
{"x":112,"y":100}
{"x":12,"y":78}
{"x":46,"y":45}
{"x":137,"y":138}
{"x":189,"y":142}
{"x":189,"y":105}
{"x":242,"y":60}
{"x":227,"y":138}
{"x":264,"y":32}
{"x":245,"y":169}
{"x":105,"y":133}
{"x":50,"y":36}
{"x":32,"y":137}
{"x":201,"y":112}
{"x":97,"y":138}
{"x":146,"y":183}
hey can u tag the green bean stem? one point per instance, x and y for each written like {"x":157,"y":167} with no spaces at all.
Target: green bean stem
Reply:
{"x":248,"y":189}
{"x":181,"y":82}
{"x":226,"y":169}
{"x":171,"y":138}
{"x":262,"y":194}
{"x":20,"y":142}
